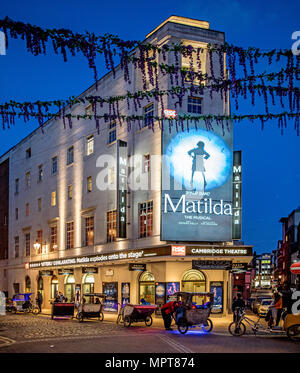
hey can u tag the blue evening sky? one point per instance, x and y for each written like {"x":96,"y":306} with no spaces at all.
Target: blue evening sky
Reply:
{"x":271,"y":176}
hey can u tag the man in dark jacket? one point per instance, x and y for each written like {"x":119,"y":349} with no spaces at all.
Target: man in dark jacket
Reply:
{"x":166,"y":312}
{"x":237,"y":303}
{"x":39,"y":300}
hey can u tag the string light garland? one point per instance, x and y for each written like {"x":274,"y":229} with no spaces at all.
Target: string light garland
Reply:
{"x":144,"y":57}
{"x":181,"y":122}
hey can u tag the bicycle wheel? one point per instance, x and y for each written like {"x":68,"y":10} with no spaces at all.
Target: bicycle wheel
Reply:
{"x":35,"y":311}
{"x":182,"y":326}
{"x":127,"y":322}
{"x":148,"y":320}
{"x":208,"y":327}
{"x":293,"y":332}
{"x":79,"y":316}
{"x":235,"y":330}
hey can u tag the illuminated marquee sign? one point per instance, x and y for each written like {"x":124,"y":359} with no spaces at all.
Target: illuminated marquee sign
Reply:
{"x":121,"y":188}
{"x":196,"y":192}
{"x":237,"y":196}
{"x":146,"y":253}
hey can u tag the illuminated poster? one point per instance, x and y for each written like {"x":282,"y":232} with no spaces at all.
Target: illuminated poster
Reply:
{"x":196,"y":199}
{"x":217,"y":289}
{"x":125,"y":292}
{"x":172,"y":287}
{"x":110,"y":289}
{"x":160,"y":296}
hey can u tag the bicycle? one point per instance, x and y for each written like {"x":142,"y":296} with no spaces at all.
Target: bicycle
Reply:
{"x":238,"y":328}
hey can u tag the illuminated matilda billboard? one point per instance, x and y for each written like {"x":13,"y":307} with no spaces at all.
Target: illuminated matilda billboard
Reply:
{"x":196,"y":197}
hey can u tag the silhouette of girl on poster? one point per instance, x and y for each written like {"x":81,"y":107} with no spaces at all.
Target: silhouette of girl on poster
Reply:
{"x":198,"y":154}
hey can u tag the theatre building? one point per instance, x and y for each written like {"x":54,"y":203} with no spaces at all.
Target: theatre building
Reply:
{"x":136,"y":213}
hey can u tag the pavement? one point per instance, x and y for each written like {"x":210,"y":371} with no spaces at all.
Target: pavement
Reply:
{"x":28,"y":333}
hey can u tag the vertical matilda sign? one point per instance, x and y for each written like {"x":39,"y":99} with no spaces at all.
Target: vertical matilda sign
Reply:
{"x":121,"y":188}
{"x":196,"y":193}
{"x":237,"y":196}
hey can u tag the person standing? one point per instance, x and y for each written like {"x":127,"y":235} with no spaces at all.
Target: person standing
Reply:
{"x":39,"y":300}
{"x":238,"y":302}
{"x":275,"y":307}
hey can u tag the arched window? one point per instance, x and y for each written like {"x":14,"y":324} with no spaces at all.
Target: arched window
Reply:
{"x":194,"y":281}
{"x":193,"y":275}
{"x":147,"y":276}
{"x":88,"y":286}
{"x":54,"y":287}
{"x":27,"y":284}
{"x":147,"y":287}
{"x":70,"y":288}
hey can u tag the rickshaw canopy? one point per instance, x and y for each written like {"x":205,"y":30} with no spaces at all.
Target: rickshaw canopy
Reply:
{"x":22,"y":297}
{"x":188,"y":295}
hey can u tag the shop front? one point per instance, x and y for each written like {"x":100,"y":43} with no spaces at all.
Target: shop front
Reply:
{"x":153,"y":274}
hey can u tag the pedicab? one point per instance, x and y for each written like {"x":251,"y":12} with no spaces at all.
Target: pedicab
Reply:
{"x":190,"y":315}
{"x":62,"y":309}
{"x":138,"y":313}
{"x":292,"y":326}
{"x":94,"y":309}
{"x":22,"y":303}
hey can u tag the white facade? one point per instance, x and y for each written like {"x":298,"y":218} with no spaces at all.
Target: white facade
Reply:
{"x":55,"y":141}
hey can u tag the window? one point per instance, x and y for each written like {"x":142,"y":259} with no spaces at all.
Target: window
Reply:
{"x":27,"y":244}
{"x":39,"y":240}
{"x":70,"y":155}
{"x":39,"y":204}
{"x":27,"y":176}
{"x":70,"y":191}
{"x":195,"y":105}
{"x":27,"y":209}
{"x":40,"y":173}
{"x":112,"y":132}
{"x":89,"y":110}
{"x":111,"y":175}
{"x":70,"y":235}
{"x":147,"y":163}
{"x":89,"y":184}
{"x":54,"y":165}
{"x":148,"y":115}
{"x":28,"y":153}
{"x":53,"y":198}
{"x":111,"y":222}
{"x":17,"y":186}
{"x":17,"y":247}
{"x":17,"y":213}
{"x":53,"y":238}
{"x":146,"y":219}
{"x":90,"y":145}
{"x":89,"y":231}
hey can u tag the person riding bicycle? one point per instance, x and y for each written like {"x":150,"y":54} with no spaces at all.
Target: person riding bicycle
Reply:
{"x":237,"y":303}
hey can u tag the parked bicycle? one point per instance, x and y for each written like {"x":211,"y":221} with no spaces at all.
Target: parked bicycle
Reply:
{"x":290,"y":327}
